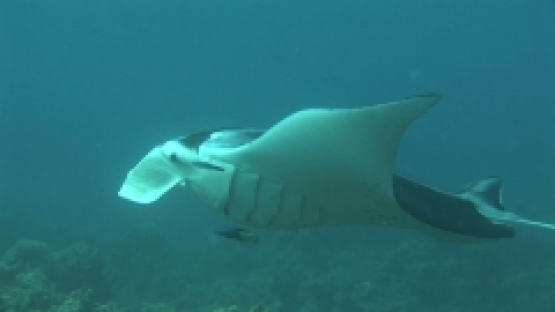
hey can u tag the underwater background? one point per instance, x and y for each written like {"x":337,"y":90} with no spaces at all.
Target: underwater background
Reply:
{"x":88,"y":87}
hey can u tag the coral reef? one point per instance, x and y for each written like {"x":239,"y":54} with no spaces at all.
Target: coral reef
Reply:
{"x":31,"y":278}
{"x":139,"y":271}
{"x":26,"y":253}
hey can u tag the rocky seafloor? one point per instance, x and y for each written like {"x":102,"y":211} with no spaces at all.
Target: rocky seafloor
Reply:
{"x":33,"y":277}
{"x":319,"y":270}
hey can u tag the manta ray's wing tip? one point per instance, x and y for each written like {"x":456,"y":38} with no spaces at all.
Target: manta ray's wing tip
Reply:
{"x":432,"y":96}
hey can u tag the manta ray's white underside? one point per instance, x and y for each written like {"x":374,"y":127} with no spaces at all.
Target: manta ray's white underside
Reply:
{"x":317,"y":166}
{"x":334,"y":166}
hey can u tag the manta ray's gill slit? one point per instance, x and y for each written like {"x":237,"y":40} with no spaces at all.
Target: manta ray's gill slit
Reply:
{"x":225,"y":209}
{"x":290,"y":209}
{"x":257,"y":201}
{"x":271,"y":220}
{"x":268,"y":201}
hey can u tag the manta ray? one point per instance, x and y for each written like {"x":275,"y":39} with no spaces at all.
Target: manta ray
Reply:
{"x":320,"y":167}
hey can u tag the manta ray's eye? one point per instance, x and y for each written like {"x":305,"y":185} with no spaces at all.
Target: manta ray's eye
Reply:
{"x":173,"y":158}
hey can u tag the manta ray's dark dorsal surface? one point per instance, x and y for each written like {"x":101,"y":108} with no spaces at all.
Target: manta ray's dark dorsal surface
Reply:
{"x":445,"y":211}
{"x":319,"y":167}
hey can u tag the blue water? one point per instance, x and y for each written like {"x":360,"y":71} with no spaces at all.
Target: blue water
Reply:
{"x":88,"y":87}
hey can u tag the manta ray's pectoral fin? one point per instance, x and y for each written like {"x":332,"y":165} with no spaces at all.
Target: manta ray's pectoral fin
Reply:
{"x":334,"y":165}
{"x":449,"y":212}
{"x":477,"y":212}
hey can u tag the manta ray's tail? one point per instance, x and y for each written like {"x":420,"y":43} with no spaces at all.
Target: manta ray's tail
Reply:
{"x":486,"y":194}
